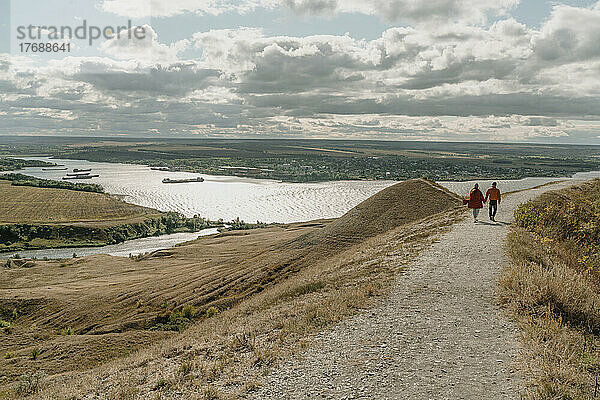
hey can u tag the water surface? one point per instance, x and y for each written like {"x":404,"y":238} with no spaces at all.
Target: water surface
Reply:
{"x":229,"y":197}
{"x":222,"y":196}
{"x":125,"y":249}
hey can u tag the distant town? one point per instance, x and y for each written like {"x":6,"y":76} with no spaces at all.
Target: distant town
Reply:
{"x":321,"y":160}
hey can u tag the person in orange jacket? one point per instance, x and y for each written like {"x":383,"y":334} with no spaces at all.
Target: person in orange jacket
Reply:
{"x":476,"y":201}
{"x":493,"y":194}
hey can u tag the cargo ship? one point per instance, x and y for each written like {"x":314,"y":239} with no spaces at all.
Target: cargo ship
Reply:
{"x":169,"y":180}
{"x":55,"y":169}
{"x":79,"y":176}
{"x":159,"y":168}
{"x":81,"y":170}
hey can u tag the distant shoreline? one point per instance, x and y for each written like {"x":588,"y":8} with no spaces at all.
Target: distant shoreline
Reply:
{"x":193,"y":171}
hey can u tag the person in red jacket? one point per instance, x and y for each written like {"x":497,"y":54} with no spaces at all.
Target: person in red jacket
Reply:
{"x":476,"y":201}
{"x":493,"y":194}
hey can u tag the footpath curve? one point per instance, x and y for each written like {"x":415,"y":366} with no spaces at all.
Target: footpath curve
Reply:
{"x":439,"y":334}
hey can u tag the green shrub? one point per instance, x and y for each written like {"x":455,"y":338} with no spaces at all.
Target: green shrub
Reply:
{"x":176,"y":320}
{"x":67,"y":331}
{"x":188,"y":312}
{"x":212,"y":311}
{"x":5,"y":325}
{"x":570,"y":220}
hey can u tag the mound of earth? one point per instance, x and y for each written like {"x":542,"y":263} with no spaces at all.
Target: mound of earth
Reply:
{"x":392,"y":207}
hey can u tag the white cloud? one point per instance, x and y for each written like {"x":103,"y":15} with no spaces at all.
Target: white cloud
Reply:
{"x":502,"y":81}
{"x":415,"y":11}
{"x":141,"y":43}
{"x":158,"y":8}
{"x":430,"y":12}
{"x":571,"y":34}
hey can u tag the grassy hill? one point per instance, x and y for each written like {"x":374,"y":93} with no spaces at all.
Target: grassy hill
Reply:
{"x":231,"y":305}
{"x":34,"y":218}
{"x":25,"y":205}
{"x":553,"y":287}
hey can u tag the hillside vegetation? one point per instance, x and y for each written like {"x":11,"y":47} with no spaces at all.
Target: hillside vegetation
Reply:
{"x":11,"y":164}
{"x":34,"y":218}
{"x":232,"y":305}
{"x":553,"y":286}
{"x":26,"y":180}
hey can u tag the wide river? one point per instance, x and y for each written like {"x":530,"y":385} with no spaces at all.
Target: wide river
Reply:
{"x":231,"y":197}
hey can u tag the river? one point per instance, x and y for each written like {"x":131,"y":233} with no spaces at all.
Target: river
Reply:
{"x":231,"y":197}
{"x":125,"y":249}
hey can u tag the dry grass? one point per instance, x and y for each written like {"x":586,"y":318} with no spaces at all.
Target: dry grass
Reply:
{"x":28,"y":205}
{"x":554,"y":295}
{"x":279,"y":295}
{"x":226,"y":356}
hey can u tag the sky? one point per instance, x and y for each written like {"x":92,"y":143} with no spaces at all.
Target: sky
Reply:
{"x":455,"y":70}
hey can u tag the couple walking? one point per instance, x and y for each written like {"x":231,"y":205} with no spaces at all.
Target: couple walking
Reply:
{"x":476,"y":201}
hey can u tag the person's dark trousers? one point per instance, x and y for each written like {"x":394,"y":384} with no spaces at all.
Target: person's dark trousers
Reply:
{"x":493,"y":208}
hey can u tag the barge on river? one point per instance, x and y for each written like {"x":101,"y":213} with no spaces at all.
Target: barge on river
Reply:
{"x":80,"y":175}
{"x":169,"y":180}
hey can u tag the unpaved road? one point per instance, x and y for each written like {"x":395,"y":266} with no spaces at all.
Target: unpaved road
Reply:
{"x":439,"y":335}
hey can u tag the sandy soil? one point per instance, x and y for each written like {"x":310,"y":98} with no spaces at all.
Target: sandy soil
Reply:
{"x":439,"y":335}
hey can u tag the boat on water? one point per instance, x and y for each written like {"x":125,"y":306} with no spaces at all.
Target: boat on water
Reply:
{"x":189,"y":180}
{"x":79,"y":174}
{"x":82,"y":176}
{"x":82,"y":170}
{"x":160,"y":168}
{"x":55,"y":169}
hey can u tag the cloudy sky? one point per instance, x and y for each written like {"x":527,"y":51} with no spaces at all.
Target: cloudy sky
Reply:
{"x":484,"y":70}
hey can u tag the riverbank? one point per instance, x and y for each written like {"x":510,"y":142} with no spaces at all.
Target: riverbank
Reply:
{"x":15,"y":164}
{"x":305,"y":160}
{"x":36,"y":218}
{"x":129,"y":248}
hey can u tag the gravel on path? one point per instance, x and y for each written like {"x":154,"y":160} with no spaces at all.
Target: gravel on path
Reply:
{"x":439,"y":334}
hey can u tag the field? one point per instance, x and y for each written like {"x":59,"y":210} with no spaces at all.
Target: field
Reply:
{"x":323,"y":160}
{"x":37,"y":218}
{"x":552,"y":287}
{"x":29,"y":205}
{"x":210,"y":317}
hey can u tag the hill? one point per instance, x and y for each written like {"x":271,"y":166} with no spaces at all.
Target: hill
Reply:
{"x":552,"y":286}
{"x":26,"y":205}
{"x":36,"y":217}
{"x":281,"y":280}
{"x":397,"y":205}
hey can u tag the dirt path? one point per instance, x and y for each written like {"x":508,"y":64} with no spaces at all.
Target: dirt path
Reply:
{"x":439,"y":335}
